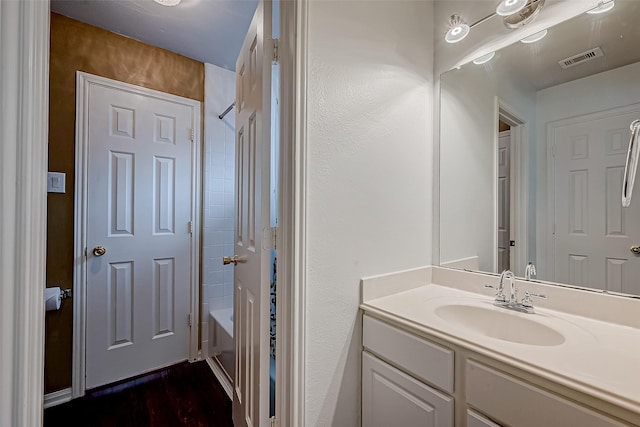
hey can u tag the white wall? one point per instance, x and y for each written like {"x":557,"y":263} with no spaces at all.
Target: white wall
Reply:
{"x":468,"y":155}
{"x":369,"y":141}
{"x":218,"y":193}
{"x":601,"y":92}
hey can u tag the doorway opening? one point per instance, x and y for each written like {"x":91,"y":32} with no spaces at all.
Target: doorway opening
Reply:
{"x":222,"y":173}
{"x":512,"y":191}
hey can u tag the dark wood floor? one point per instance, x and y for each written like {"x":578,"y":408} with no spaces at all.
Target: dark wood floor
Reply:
{"x":186,"y":394}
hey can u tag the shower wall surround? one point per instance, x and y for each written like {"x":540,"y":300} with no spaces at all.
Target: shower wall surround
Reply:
{"x":218,"y":195}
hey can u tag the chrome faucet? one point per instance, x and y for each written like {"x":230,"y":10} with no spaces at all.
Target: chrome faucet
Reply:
{"x":530,"y":271}
{"x":508,"y":274}
{"x":525,"y":306}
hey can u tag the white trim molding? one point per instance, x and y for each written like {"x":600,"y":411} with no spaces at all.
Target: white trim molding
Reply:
{"x":292,"y":209}
{"x":84,"y":80}
{"x":57,"y":397}
{"x":520,"y":183}
{"x":24,"y":105}
{"x":221,"y":376}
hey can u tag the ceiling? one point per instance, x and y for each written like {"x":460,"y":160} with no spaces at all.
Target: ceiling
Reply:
{"x":206,"y":30}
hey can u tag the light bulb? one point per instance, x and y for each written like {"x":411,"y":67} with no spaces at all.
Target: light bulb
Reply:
{"x":484,"y":59}
{"x":458,"y":30}
{"x":509,"y":7}
{"x":168,"y":2}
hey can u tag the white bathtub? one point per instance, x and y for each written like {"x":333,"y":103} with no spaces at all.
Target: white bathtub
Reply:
{"x":222,"y":347}
{"x":221,"y":344}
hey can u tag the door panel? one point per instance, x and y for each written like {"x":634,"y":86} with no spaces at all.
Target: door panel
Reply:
{"x":593,"y":231}
{"x":253,"y":238}
{"x":139,"y":165}
{"x":392,"y":398}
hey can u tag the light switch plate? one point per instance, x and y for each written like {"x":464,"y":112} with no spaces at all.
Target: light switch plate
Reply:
{"x":55,"y":182}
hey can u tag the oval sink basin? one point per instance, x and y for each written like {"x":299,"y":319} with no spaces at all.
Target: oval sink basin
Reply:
{"x":500,"y":324}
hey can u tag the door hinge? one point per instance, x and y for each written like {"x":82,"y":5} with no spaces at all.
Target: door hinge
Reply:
{"x":275,"y":50}
{"x":85,"y":252}
{"x":189,"y":319}
{"x":274,"y":237}
{"x":192,"y":135}
{"x":190,"y":227}
{"x":273,"y":421}
{"x":553,"y":150}
{"x":553,"y":229}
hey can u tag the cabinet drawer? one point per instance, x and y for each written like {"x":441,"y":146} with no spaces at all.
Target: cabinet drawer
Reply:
{"x":514,"y":402}
{"x":392,"y":398}
{"x":428,"y":361}
{"x":474,"y":419}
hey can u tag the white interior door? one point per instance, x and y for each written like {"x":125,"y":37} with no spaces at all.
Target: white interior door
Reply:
{"x":593,"y":233}
{"x":253,"y":240}
{"x":504,"y":200}
{"x":139,"y":198}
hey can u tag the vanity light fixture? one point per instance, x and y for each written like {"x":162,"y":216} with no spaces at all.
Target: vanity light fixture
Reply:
{"x":509,"y":7}
{"x":458,"y":29}
{"x":535,"y":37}
{"x":484,"y":59}
{"x":168,"y":2}
{"x":515,"y":13}
{"x":602,"y":7}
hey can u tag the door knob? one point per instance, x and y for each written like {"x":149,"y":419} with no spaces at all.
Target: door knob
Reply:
{"x":233,"y":260}
{"x":99,"y":250}
{"x":635,"y":250}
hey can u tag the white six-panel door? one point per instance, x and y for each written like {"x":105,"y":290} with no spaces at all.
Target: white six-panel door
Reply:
{"x":593,"y":233}
{"x":253,"y":241}
{"x":139,"y":208}
{"x":504,"y":200}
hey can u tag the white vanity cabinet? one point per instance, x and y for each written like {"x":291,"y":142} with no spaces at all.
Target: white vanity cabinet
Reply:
{"x":475,"y":419}
{"x":409,"y":380}
{"x":399,"y":372}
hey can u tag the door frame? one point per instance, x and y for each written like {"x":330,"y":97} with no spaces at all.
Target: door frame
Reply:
{"x":292,"y":215}
{"x":25,"y":356}
{"x":83,"y":82}
{"x":519,"y":186}
{"x":24,"y":119}
{"x":547,"y":242}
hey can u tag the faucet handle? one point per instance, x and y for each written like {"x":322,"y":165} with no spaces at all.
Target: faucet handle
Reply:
{"x":499,"y":294}
{"x":527,"y":301}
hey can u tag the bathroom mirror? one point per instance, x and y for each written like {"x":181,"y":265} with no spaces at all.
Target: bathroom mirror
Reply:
{"x":533,"y":145}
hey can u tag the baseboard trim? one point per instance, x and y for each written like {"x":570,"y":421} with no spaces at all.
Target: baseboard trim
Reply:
{"x":221,"y":376}
{"x":57,"y":397}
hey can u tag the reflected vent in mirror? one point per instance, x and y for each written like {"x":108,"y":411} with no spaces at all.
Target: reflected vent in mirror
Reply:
{"x":581,"y":58}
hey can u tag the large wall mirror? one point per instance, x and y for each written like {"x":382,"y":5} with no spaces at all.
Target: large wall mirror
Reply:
{"x":533,"y":147}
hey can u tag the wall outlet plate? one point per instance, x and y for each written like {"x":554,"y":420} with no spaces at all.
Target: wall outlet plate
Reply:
{"x":55,"y":182}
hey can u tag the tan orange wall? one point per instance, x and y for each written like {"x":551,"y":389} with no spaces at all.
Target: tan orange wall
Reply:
{"x":77,"y":46}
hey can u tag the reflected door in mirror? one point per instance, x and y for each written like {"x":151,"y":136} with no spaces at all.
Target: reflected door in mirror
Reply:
{"x":593,"y":233}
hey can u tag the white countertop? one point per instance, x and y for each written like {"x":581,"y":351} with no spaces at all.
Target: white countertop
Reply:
{"x":598,"y":358}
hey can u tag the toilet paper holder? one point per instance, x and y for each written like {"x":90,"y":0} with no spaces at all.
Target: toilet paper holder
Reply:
{"x":65,"y":293}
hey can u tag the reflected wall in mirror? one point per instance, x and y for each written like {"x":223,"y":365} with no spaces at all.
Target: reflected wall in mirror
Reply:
{"x":547,"y":189}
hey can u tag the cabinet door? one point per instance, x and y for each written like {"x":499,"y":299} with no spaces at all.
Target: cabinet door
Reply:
{"x":474,"y":419}
{"x":392,"y":398}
